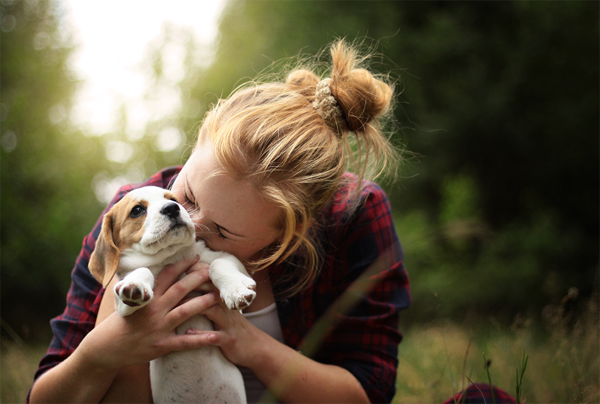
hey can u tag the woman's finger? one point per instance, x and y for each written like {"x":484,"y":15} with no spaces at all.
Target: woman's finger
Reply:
{"x":210,"y":336}
{"x":198,"y":339}
{"x":216,"y":312}
{"x":176,"y":293}
{"x":169,"y":275}
{"x":191,"y":308}
{"x":198,"y":266}
{"x":205,"y":269}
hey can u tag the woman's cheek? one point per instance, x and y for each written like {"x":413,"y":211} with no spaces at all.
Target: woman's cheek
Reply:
{"x":240,"y":252}
{"x":216,"y":243}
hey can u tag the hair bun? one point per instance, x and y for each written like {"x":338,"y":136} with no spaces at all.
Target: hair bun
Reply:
{"x":361,"y":96}
{"x":303,"y":81}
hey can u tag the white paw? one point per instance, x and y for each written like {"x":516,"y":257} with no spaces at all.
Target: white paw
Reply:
{"x":132,"y":293}
{"x":239,"y":292}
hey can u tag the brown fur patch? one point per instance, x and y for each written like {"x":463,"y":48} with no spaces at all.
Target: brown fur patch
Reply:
{"x":170,"y":195}
{"x":128,"y":230}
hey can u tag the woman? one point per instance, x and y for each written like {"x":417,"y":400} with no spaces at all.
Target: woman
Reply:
{"x":267,"y":183}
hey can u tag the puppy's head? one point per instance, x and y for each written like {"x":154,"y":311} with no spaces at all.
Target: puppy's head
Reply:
{"x":147,"y":221}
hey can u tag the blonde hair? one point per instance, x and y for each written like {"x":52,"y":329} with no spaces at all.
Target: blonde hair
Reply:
{"x":271,"y":135}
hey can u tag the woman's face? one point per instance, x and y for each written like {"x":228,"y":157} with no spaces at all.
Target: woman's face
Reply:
{"x":229,"y":214}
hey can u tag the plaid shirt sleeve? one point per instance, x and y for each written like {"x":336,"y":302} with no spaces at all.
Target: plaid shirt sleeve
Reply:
{"x":350,"y":316}
{"x":85,"y":293}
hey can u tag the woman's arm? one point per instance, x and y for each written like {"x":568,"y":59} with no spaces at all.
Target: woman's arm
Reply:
{"x":288,"y":375}
{"x":76,"y":379}
{"x":294,"y":378}
{"x":130,"y":384}
{"x":119,"y":343}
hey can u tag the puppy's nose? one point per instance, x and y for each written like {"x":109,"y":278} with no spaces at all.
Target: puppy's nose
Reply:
{"x":171,"y":210}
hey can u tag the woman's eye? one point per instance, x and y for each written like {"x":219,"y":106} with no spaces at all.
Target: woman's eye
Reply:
{"x":220,"y":234}
{"x":137,"y":211}
{"x":187,"y":199}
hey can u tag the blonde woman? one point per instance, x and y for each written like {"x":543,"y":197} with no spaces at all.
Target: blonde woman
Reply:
{"x":267,"y":182}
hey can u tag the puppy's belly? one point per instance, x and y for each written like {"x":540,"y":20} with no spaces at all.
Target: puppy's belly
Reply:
{"x":196,"y":376}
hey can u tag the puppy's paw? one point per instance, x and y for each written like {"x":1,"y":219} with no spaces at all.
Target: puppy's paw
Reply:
{"x":133,"y":294}
{"x":239,"y":292}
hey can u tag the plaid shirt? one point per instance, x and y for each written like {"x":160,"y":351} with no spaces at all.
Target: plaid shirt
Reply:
{"x":348,"y":317}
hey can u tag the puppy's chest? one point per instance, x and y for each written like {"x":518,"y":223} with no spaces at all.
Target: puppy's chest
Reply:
{"x":132,"y":260}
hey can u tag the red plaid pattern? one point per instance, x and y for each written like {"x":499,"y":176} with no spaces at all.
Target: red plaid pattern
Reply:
{"x":481,"y":393}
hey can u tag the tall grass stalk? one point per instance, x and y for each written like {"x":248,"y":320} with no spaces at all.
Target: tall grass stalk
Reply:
{"x":520,"y":372}
{"x":487,"y":370}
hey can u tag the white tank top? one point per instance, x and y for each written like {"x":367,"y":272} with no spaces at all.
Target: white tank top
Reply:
{"x":267,"y":320}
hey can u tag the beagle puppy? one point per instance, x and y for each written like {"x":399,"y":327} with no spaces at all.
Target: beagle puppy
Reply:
{"x":141,"y":234}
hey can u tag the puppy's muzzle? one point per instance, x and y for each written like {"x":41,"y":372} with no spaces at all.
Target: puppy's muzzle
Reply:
{"x":171,"y":210}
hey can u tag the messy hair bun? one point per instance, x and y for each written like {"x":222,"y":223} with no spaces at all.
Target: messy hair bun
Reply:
{"x":362,"y":97}
{"x":303,"y":81}
{"x":363,"y":101}
{"x":295,"y":139}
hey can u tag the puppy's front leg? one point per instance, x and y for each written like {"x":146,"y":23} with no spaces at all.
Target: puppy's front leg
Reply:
{"x":228,"y":274}
{"x":134,"y":291}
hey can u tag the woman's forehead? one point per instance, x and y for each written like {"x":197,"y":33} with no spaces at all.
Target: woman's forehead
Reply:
{"x":233,"y":201}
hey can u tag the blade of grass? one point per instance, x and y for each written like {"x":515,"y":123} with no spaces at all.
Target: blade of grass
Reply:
{"x":520,"y":373}
{"x":487,"y":369}
{"x":477,"y":387}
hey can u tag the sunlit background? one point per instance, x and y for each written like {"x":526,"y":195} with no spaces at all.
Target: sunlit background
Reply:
{"x":114,"y":39}
{"x":496,"y":204}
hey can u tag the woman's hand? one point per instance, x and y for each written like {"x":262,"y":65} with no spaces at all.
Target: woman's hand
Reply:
{"x":149,"y":333}
{"x":234,"y":334}
{"x":119,"y":348}
{"x":287,"y":374}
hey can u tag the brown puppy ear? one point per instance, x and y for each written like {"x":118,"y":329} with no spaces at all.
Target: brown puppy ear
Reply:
{"x":104,"y":260}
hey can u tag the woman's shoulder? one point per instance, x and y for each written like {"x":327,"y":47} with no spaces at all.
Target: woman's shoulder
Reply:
{"x":354,"y":197}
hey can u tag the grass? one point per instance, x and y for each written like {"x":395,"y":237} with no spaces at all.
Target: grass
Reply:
{"x":18,"y":363}
{"x":520,"y":372}
{"x":558,"y":363}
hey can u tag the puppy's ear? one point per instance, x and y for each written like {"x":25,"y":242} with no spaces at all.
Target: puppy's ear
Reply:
{"x":104,"y":261}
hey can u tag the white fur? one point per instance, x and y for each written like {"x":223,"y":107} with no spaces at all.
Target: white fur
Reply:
{"x":199,"y":375}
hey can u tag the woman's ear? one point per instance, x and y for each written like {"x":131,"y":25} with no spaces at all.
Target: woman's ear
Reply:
{"x":104,"y":260}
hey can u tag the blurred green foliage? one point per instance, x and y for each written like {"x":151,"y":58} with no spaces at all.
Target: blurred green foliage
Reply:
{"x":498,"y":107}
{"x":498,"y":205}
{"x":47,"y":203}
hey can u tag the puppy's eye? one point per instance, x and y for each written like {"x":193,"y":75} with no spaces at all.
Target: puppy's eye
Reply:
{"x":137,"y":211}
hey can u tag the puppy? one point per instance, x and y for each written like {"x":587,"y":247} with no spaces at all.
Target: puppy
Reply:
{"x":141,"y":234}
